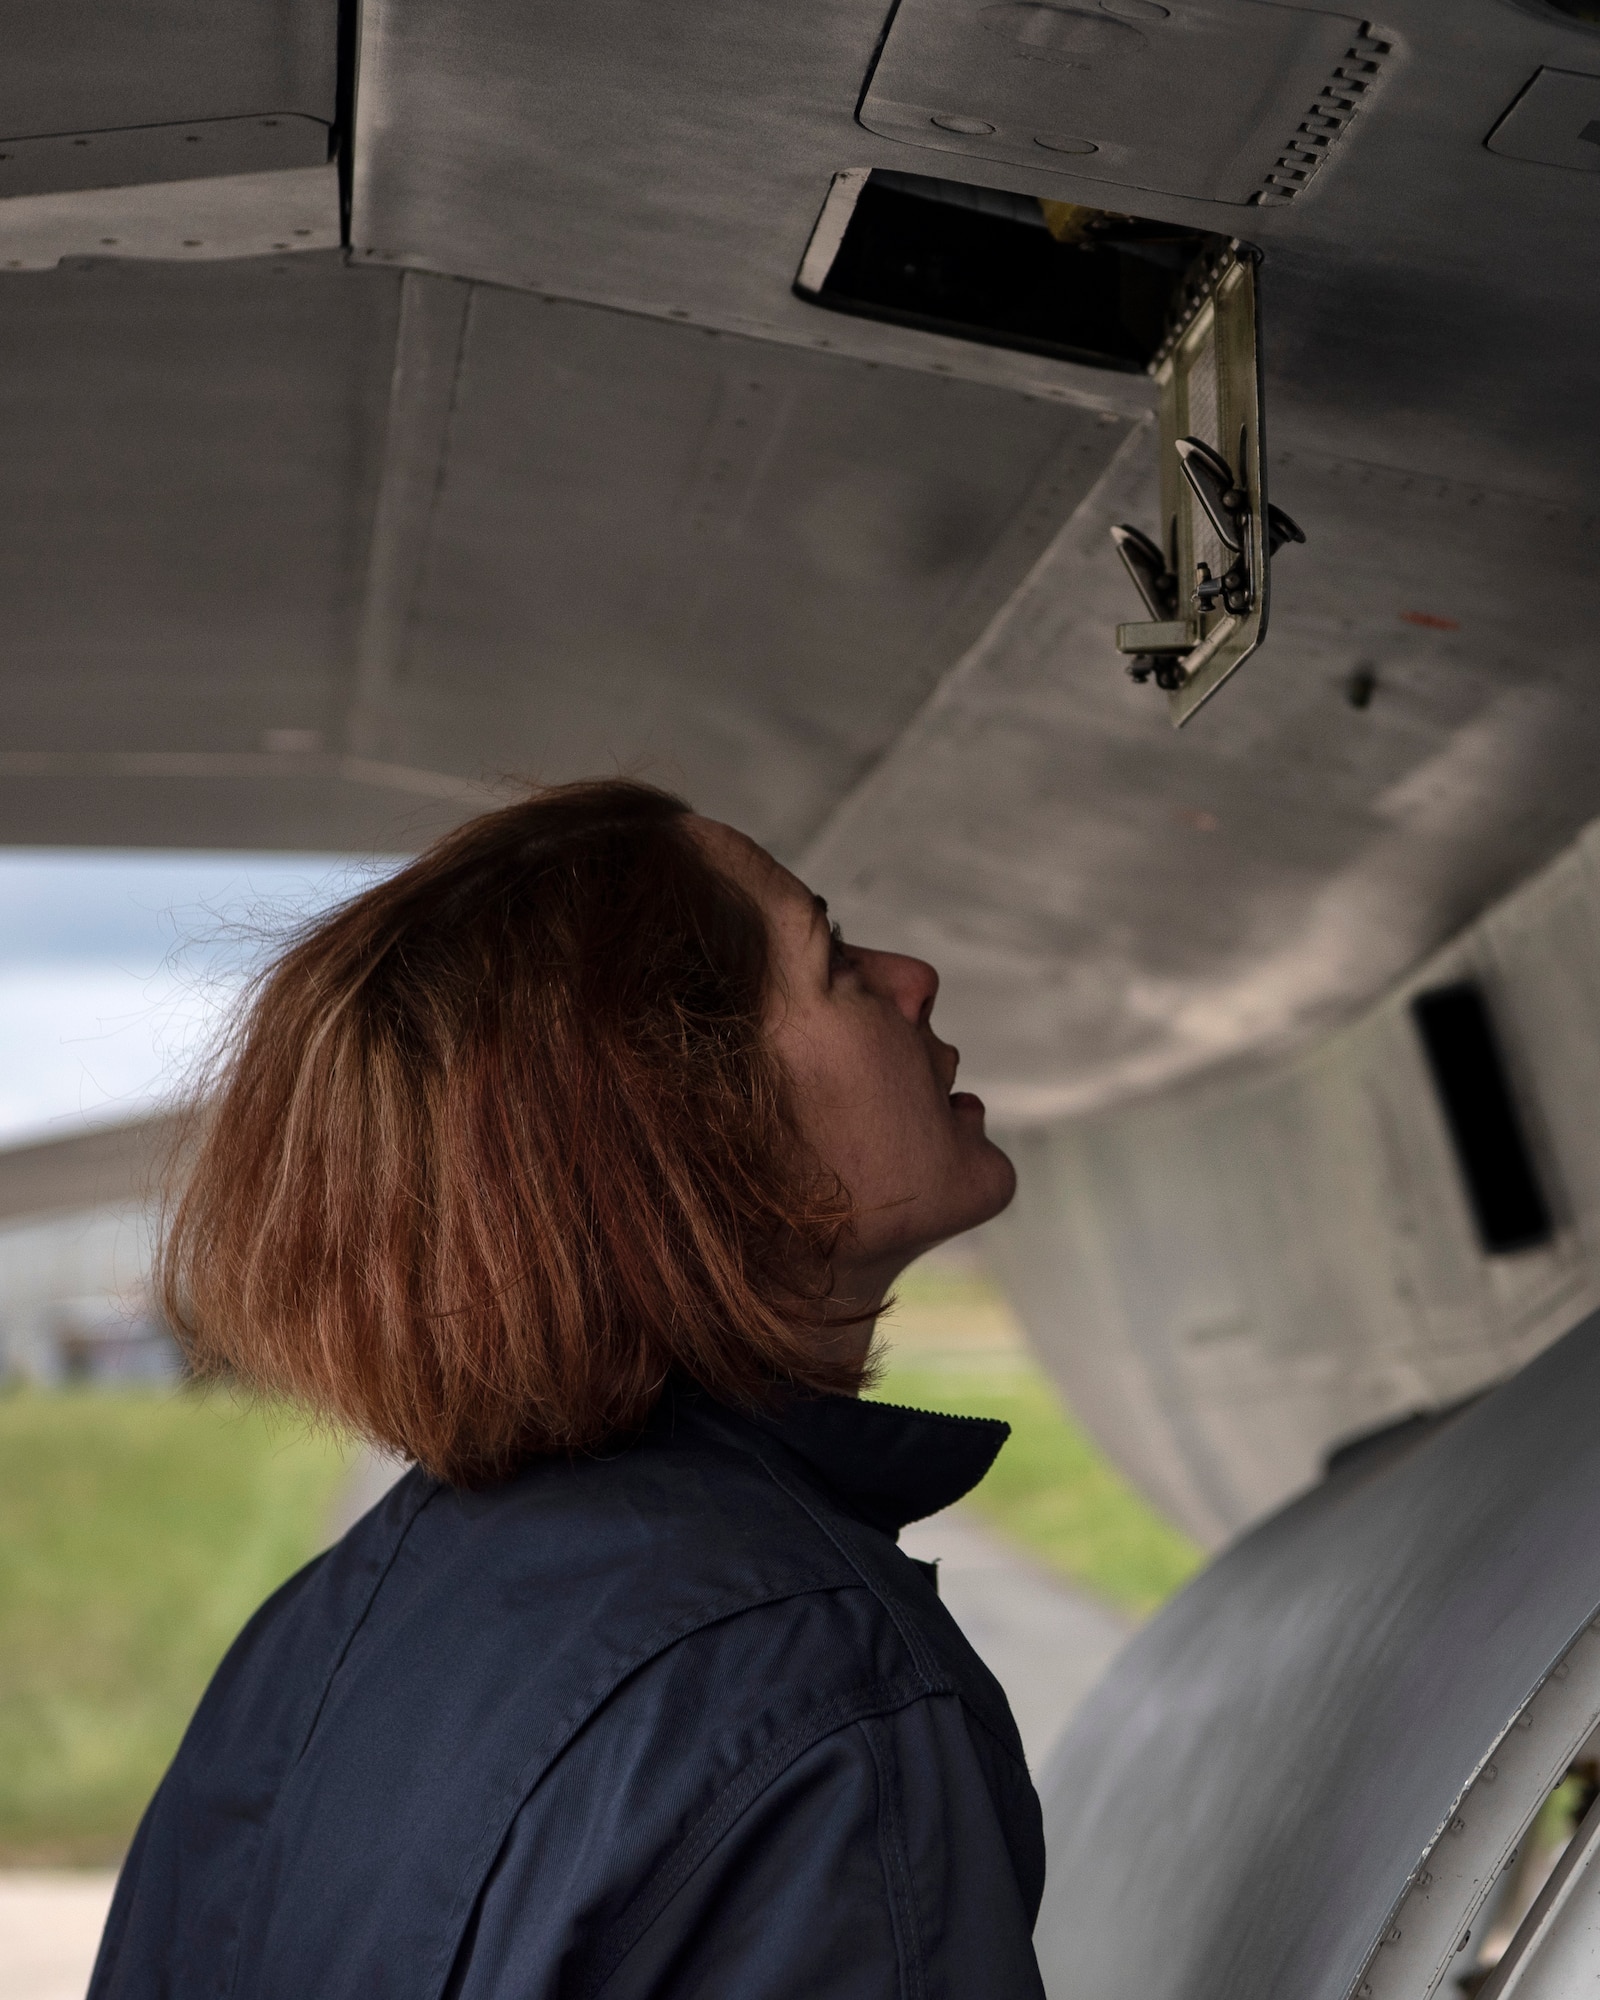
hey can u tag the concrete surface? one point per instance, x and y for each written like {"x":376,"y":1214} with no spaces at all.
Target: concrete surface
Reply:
{"x":50,"y":1924}
{"x":371,"y":1476}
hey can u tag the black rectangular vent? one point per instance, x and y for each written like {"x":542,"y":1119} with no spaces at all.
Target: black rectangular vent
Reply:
{"x":1469,"y":1074}
{"x":1006,"y":269}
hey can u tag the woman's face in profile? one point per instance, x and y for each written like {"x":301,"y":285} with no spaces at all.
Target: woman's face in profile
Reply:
{"x":874,"y":1085}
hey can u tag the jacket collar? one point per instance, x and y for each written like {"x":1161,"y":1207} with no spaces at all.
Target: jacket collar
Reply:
{"x":885,"y":1465}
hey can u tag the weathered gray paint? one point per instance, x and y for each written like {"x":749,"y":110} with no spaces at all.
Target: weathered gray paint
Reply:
{"x":1231,"y":1277}
{"x":1237,"y":1810}
{"x":89,"y":65}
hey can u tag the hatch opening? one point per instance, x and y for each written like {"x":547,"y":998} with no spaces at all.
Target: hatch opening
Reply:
{"x":1475,"y":1094}
{"x":1009,"y":270}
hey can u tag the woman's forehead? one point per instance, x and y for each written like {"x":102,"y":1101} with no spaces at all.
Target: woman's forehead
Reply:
{"x":756,"y":871}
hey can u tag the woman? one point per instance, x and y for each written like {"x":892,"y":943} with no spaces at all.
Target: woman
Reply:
{"x":573,"y":1162}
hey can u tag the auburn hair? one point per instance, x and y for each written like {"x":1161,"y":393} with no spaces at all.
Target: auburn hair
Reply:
{"x":500,"y":1143}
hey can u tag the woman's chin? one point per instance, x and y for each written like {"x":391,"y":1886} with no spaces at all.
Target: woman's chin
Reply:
{"x":1005,"y":1179}
{"x":988,"y":1184}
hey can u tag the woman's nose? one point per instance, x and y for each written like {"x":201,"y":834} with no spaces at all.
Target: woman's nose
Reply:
{"x":911,"y":983}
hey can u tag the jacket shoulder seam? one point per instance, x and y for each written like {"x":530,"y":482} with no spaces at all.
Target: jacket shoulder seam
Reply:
{"x":589,"y":1700}
{"x":925,"y":1661}
{"x":844,"y":1712}
{"x":840,"y":1536}
{"x":986,"y":1724}
{"x":896,"y":1862}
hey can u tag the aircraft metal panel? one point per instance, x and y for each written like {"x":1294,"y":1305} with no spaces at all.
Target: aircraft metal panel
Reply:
{"x":1196,"y":100}
{"x":1238,"y":1810}
{"x":422,"y":396}
{"x":639,"y":157}
{"x":80,"y":66}
{"x":1104,"y":910}
{"x":190,"y":460}
{"x":1113,"y":917}
{"x":254,"y":801}
{"x":197,"y":221}
{"x":624,"y":156}
{"x":736,"y":566}
{"x":192,"y":150}
{"x":1541,"y":955}
{"x":1114,"y":911}
{"x":1555,"y":122}
{"x":1234,"y":1278}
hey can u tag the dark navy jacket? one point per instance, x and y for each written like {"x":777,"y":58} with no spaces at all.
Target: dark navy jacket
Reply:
{"x":682,"y":1720}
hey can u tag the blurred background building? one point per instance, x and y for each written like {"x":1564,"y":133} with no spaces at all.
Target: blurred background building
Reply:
{"x":116,"y":970}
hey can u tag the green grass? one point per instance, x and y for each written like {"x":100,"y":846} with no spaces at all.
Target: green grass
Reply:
{"x":138,"y":1531}
{"x":1051,"y":1491}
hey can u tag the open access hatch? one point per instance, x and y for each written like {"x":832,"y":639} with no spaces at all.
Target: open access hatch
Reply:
{"x":1009,"y":270}
{"x":1108,"y":291}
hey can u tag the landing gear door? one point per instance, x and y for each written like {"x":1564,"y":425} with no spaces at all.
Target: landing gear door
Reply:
{"x":1210,"y":390}
{"x":1206,"y":580}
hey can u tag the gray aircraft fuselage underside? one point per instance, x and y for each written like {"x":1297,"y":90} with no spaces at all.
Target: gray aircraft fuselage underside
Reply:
{"x":551,"y":472}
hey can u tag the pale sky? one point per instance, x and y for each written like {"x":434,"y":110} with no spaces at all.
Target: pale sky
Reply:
{"x":115,"y":967}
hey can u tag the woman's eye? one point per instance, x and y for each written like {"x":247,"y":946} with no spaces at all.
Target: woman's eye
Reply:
{"x":839,"y":954}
